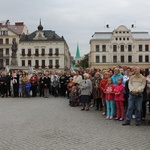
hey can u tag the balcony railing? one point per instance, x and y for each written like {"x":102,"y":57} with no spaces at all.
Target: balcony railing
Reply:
{"x":56,"y":54}
{"x":29,"y":54}
{"x":37,"y":66}
{"x":42,"y":54}
{"x":36,"y":54}
{"x":57,"y":66}
{"x":50,"y":54}
{"x":23,"y":54}
{"x":50,"y":66}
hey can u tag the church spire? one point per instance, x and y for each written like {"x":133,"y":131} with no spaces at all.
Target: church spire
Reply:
{"x":77,"y":52}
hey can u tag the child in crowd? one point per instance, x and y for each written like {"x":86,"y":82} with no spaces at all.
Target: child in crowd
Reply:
{"x":119,"y":98}
{"x":73,"y":97}
{"x":70,"y":84}
{"x":110,"y":104}
{"x":78,"y":93}
{"x":55,"y":84}
{"x":28,"y":88}
{"x":20,"y":85}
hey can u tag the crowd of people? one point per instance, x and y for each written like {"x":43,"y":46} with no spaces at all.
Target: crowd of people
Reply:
{"x":120,"y":92}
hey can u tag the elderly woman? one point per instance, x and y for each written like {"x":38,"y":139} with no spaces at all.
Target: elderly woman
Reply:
{"x":86,"y":90}
{"x":96,"y":91}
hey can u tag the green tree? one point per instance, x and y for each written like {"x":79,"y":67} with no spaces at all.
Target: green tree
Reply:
{"x":84,"y":63}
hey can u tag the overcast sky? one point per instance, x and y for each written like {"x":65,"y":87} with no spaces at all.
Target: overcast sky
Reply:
{"x":77,"y":20}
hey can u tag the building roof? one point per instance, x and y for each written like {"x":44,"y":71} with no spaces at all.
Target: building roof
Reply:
{"x":107,"y":34}
{"x":49,"y":35}
{"x":18,"y":29}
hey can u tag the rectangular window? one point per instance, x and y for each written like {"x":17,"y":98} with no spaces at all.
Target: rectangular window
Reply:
{"x":50,"y":51}
{"x":23,"y":62}
{"x":57,"y":62}
{"x":140,"y":47}
{"x":146,"y":47}
{"x":29,"y":52}
{"x":36,"y":62}
{"x":7,"y":61}
{"x":36,"y":51}
{"x":14,"y":39}
{"x":7,"y":51}
{"x":43,"y":51}
{"x":114,"y":48}
{"x":122,"y":59}
{"x":129,"y":48}
{"x":23,"y":51}
{"x":1,"y":52}
{"x":103,"y":59}
{"x":140,"y":58}
{"x":1,"y":41}
{"x":50,"y":62}
{"x":114,"y":59}
{"x":129,"y":58}
{"x":104,"y":48}
{"x":43,"y":62}
{"x":97,"y":48}
{"x":56,"y":51}
{"x":1,"y":63}
{"x":97,"y":59}
{"x":29,"y":63}
{"x":147,"y":58}
{"x":7,"y":41}
{"x":122,"y":48}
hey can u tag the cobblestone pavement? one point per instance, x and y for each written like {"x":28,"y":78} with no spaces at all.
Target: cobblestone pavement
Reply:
{"x":50,"y":124}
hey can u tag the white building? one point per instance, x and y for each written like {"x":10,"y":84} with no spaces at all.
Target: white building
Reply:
{"x":44,"y":49}
{"x":121,"y":46}
{"x":8,"y":33}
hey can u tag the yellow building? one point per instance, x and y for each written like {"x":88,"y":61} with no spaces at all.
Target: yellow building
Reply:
{"x":9,"y":33}
{"x":121,"y":46}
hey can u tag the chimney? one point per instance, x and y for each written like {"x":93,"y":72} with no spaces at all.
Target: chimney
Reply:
{"x":19,"y":23}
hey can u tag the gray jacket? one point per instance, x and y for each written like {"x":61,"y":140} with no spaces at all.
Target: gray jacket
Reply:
{"x":86,"y":87}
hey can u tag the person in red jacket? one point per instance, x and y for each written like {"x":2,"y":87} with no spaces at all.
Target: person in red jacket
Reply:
{"x":110,"y":104}
{"x":119,"y":98}
{"x":102,"y":85}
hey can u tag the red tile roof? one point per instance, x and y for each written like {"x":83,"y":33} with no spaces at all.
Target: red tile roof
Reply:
{"x":18,"y":29}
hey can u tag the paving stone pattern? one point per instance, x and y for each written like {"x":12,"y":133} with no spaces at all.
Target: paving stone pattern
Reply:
{"x":50,"y":124}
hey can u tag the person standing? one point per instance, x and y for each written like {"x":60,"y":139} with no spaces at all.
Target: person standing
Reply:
{"x":33,"y":81}
{"x":86,"y":91}
{"x":137,"y":84}
{"x":46,"y":85}
{"x":148,"y":89}
{"x":97,"y":92}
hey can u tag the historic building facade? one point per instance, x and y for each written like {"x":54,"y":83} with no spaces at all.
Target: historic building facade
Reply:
{"x":44,"y":49}
{"x":9,"y":33}
{"x":122,"y":46}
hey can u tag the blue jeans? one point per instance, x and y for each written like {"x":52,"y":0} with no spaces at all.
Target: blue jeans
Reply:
{"x":134,"y":102}
{"x":110,"y":107}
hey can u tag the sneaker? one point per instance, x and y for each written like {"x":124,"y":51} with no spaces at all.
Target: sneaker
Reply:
{"x":121,"y":119}
{"x":116,"y":118}
{"x":133,"y":116}
{"x":103,"y":113}
{"x":126,"y":123}
{"x":91,"y":106}
{"x":107,"y":117}
{"x":111,"y":117}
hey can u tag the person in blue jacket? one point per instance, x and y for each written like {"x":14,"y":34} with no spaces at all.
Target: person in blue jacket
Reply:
{"x":116,"y":75}
{"x":28,"y":88}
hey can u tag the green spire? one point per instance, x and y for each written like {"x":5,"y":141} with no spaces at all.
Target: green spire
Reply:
{"x":78,"y":52}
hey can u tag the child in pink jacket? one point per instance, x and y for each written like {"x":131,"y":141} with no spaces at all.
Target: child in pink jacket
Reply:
{"x":109,"y":93}
{"x":119,"y":98}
